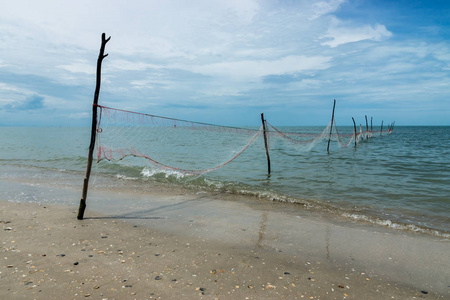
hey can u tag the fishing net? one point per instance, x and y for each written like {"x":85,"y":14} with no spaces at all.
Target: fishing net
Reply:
{"x":179,"y":145}
{"x":303,"y":141}
{"x":196,"y":148}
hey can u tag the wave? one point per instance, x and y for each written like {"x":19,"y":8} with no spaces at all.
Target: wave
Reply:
{"x":396,"y":225}
{"x":221,"y":183}
{"x":260,"y":192}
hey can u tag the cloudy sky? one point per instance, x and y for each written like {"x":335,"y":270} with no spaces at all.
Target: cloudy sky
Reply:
{"x":227,"y":61}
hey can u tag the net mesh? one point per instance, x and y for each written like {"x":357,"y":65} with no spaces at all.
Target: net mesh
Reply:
{"x":183,"y":146}
{"x":196,"y":148}
{"x":305,"y":141}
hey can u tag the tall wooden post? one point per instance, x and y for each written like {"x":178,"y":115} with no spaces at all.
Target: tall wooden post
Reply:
{"x":367,"y":126}
{"x":101,"y":56}
{"x":371,"y":128}
{"x":265,"y":142}
{"x":331,"y":128}
{"x":381,"y":131}
{"x":354,"y":127}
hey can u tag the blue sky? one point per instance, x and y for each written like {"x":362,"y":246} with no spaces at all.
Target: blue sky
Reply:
{"x":227,"y":61}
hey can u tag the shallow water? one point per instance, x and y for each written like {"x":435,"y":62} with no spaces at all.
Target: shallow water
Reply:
{"x":399,"y":180}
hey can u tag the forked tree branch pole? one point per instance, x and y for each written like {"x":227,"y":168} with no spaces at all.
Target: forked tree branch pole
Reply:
{"x":331,"y":128}
{"x":265,"y":142}
{"x":101,"y":56}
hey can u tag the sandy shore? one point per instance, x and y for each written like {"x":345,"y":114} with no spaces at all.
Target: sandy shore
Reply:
{"x":205,"y":247}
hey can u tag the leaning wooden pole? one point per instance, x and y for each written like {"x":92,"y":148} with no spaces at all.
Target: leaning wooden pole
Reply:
{"x":354,"y":127}
{"x":101,"y":56}
{"x":367,"y":126}
{"x":331,"y":128}
{"x":265,"y":142}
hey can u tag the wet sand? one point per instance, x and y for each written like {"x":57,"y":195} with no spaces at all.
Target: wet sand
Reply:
{"x":207,"y":246}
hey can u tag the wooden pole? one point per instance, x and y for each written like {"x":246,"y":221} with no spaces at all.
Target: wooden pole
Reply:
{"x":367,"y":125}
{"x":381,"y":131}
{"x":331,"y":128}
{"x":371,"y":128}
{"x":101,"y":56}
{"x":265,"y":142}
{"x":354,"y":127}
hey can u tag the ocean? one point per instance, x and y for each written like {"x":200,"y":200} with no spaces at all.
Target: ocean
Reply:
{"x":399,"y":180}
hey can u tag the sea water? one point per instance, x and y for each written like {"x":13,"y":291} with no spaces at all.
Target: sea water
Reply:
{"x":400,"y":180}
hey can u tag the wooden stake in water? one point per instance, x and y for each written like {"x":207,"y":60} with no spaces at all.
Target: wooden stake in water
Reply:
{"x":101,"y":56}
{"x":381,"y":131}
{"x":354,"y":127}
{"x":265,"y":142}
{"x":367,"y":128}
{"x":371,"y":128}
{"x":331,"y":128}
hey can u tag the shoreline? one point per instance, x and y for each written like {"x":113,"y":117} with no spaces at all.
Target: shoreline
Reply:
{"x":121,"y":184}
{"x":208,"y":246}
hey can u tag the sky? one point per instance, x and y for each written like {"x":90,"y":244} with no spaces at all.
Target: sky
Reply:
{"x":227,"y":61}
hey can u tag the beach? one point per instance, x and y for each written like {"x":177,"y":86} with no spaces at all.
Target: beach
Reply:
{"x":225,"y":150}
{"x":178,"y":244}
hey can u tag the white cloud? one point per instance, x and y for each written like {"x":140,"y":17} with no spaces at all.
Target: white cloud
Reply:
{"x":305,"y":84}
{"x":254,"y":69}
{"x":80,"y":67}
{"x":321,"y":8}
{"x":442,"y":53}
{"x":12,"y":94}
{"x":142,"y":84}
{"x":81,"y":115}
{"x":343,"y":34}
{"x":128,"y":65}
{"x":4,"y":87}
{"x":176,"y":51}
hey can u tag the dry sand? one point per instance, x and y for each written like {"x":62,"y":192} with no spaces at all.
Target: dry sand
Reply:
{"x":204,"y":247}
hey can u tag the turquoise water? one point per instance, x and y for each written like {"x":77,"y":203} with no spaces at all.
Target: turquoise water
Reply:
{"x":399,"y":180}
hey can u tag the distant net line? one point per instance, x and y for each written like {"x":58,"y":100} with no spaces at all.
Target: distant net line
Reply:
{"x":195,"y":148}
